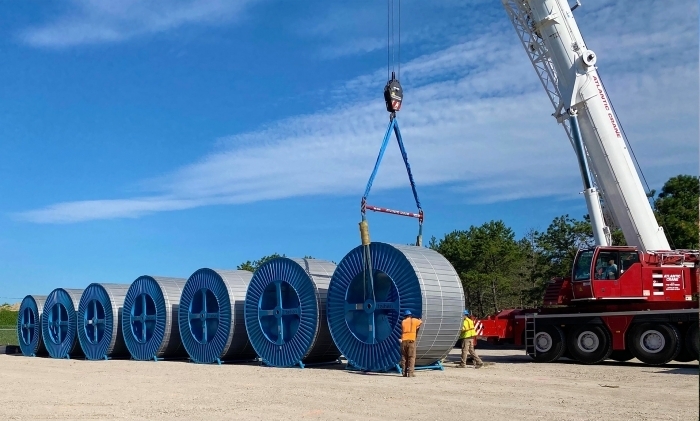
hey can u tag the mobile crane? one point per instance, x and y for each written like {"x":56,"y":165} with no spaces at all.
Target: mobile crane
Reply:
{"x":619,"y":302}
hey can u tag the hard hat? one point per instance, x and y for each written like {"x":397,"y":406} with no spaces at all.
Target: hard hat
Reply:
{"x":466,"y":312}
{"x":407,"y":312}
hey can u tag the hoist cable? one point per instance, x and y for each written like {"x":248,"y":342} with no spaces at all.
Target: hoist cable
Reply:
{"x":388,"y":37}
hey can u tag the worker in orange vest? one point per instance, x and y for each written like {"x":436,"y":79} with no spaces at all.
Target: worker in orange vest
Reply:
{"x":468,"y":335}
{"x":409,"y":330}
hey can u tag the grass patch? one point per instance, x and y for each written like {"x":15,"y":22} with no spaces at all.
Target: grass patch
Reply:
{"x":8,"y":318}
{"x":8,"y":335}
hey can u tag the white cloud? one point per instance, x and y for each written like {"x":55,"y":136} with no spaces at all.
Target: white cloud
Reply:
{"x":475,"y":119}
{"x":97,"y":21}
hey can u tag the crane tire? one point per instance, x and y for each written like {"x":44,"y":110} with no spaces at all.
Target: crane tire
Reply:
{"x":654,"y":343}
{"x":549,"y":344}
{"x":692,"y":341}
{"x":621,"y":356}
{"x":684,"y":356}
{"x":589,"y":343}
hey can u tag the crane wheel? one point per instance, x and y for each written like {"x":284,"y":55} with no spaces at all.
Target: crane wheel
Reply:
{"x":589,"y":344}
{"x":684,"y":356}
{"x":549,"y":344}
{"x":621,"y":356}
{"x":654,"y":343}
{"x":692,"y":341}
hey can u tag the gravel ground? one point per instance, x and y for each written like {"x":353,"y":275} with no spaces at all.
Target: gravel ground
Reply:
{"x":513,"y":388}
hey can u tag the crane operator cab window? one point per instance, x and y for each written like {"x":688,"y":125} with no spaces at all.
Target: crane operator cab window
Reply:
{"x":627,"y":259}
{"x":582,"y":269}
{"x":607,"y":265}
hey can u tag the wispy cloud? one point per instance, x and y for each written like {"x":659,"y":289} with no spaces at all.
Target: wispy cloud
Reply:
{"x":360,"y":27}
{"x":474,"y":119}
{"x":96,"y":21}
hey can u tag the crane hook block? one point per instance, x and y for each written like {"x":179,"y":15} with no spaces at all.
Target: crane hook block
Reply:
{"x":393,"y":94}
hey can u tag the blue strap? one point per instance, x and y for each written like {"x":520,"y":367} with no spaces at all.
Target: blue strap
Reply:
{"x":393,"y":125}
{"x":379,"y":158}
{"x":405,"y":161}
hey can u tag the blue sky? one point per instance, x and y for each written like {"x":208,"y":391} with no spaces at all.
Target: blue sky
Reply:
{"x":158,"y":137}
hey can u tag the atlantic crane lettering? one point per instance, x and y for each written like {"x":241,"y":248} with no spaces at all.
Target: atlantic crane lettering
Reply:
{"x":607,"y":106}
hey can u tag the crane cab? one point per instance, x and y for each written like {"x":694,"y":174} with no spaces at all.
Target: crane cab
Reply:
{"x":625,"y":273}
{"x":606,"y":272}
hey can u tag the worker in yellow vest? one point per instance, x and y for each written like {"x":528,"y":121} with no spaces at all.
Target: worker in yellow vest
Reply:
{"x":468,"y":336}
{"x":409,"y":330}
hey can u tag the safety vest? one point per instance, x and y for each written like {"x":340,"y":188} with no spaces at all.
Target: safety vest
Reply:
{"x":409,"y":327}
{"x":468,"y":330}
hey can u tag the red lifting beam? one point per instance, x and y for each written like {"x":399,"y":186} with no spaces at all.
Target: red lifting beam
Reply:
{"x":396,"y":212}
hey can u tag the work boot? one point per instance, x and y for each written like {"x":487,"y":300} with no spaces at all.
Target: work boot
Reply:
{"x":412,"y":375}
{"x":462,"y":366}
{"x":479,"y":365}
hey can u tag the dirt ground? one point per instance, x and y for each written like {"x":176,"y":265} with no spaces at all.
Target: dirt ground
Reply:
{"x":512,"y":389}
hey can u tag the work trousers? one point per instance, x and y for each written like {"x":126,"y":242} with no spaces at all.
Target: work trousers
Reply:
{"x":468,"y":349}
{"x":408,"y":357}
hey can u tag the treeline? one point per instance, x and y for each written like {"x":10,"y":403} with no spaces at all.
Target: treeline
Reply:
{"x":501,"y":271}
{"x":252,"y":266}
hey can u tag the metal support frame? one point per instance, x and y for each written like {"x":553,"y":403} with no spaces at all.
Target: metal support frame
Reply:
{"x":27,"y":325}
{"x":219,"y":361}
{"x":301,"y":364}
{"x":351,"y":367}
{"x":93,"y":323}
{"x":141,"y":318}
{"x":279,"y":312}
{"x":520,"y":16}
{"x":437,"y":365}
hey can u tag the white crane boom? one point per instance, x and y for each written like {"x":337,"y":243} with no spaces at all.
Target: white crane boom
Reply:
{"x":565,"y":66}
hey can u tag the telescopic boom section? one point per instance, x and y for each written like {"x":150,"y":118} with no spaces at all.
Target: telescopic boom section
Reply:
{"x":567,"y":70}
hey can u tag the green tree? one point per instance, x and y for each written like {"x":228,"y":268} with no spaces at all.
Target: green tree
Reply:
{"x":533,"y":271}
{"x":676,"y":209}
{"x":488,"y":260}
{"x":559,"y":244}
{"x":254,"y":265}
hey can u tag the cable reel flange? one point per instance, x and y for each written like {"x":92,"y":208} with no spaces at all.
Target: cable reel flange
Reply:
{"x":98,"y":328}
{"x":150,"y":319}
{"x":211,"y":316}
{"x":367,"y":331}
{"x":59,"y":323}
{"x":285,"y":312}
{"x":29,"y":325}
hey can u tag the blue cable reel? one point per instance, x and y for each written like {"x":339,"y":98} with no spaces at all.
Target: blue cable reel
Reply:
{"x":99,"y":313}
{"x":59,"y":323}
{"x":285,"y":312}
{"x":150,"y":318}
{"x":29,"y":325}
{"x":365,"y":321}
{"x":211,"y":316}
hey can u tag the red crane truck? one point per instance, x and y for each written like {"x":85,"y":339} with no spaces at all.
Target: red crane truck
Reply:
{"x":619,"y":302}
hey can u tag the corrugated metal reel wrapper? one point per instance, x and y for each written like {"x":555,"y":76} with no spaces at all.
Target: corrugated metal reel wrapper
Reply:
{"x":59,"y":323}
{"x":99,"y":317}
{"x":367,"y":330}
{"x":29,"y":325}
{"x":211,"y":316}
{"x":150,"y":318}
{"x":285,"y":312}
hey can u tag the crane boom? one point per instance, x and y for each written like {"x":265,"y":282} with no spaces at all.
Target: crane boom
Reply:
{"x":565,"y":66}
